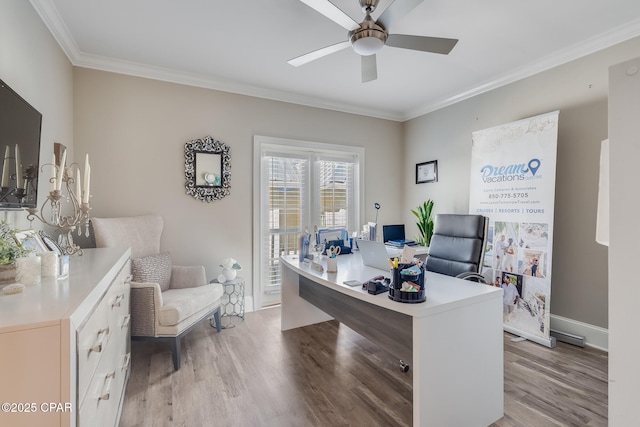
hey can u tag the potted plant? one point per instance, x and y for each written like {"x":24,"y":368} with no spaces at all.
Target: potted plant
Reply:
{"x":424,"y":213}
{"x":10,"y":250}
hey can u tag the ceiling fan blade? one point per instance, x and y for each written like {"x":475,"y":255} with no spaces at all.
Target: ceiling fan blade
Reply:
{"x":397,"y":10}
{"x":425,"y":44}
{"x":316,"y":54}
{"x":332,"y":12}
{"x":369,"y":68}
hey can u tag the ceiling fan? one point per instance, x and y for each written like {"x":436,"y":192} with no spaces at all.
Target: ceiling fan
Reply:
{"x":369,"y":36}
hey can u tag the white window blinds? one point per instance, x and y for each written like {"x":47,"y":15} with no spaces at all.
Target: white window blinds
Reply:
{"x":300,"y":189}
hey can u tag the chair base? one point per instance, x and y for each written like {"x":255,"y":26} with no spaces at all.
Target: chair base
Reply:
{"x":174,"y":342}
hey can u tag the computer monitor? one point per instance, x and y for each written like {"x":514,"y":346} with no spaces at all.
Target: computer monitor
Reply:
{"x":392,"y":232}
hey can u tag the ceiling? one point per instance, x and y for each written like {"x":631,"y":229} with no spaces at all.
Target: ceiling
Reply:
{"x":243,"y":46}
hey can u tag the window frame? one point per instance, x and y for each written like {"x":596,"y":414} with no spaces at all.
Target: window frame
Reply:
{"x":324,"y":151}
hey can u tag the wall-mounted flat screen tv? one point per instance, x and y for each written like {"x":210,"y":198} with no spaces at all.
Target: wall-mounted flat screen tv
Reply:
{"x":20,"y":126}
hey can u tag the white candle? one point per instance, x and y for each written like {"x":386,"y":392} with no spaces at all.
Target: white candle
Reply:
{"x":19,"y":178}
{"x":5,"y":168}
{"x":87,"y":169}
{"x":78,"y":186}
{"x":53,"y":173}
{"x":87,"y":183}
{"x":63,"y":161}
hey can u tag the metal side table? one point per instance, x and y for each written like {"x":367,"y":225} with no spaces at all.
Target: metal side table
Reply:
{"x":232,"y":302}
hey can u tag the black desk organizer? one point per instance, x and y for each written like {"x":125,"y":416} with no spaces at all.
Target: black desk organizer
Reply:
{"x":398,"y":278}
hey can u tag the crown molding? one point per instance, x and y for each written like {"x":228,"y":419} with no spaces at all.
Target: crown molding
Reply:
{"x":57,"y":27}
{"x":578,"y":50}
{"x":50,"y":16}
{"x":52,"y":19}
{"x":207,"y":82}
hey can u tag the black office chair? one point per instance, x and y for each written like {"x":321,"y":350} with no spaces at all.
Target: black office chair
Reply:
{"x":457,"y":246}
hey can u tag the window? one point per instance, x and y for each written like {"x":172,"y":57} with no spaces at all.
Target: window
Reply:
{"x":301,"y":186}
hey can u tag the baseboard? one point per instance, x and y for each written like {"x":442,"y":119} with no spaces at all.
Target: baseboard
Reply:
{"x":248,"y":303}
{"x":595,"y":336}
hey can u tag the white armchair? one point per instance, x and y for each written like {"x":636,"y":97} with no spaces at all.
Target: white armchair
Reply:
{"x":167,"y":300}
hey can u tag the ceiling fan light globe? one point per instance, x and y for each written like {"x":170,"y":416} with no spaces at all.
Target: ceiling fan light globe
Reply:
{"x":366,"y":46}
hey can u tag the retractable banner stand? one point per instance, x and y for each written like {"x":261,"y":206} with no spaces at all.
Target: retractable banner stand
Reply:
{"x":513,"y":173}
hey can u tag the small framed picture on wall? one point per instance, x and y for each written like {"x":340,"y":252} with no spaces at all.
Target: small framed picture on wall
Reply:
{"x":427,"y":172}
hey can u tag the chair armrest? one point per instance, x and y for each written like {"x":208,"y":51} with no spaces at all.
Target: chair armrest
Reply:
{"x":474,"y":277}
{"x":146,"y":300}
{"x":189,"y":276}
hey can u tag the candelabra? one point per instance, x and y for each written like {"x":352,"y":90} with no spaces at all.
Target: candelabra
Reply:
{"x":78,"y":217}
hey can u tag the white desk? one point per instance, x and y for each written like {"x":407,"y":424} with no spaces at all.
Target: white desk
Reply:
{"x":453,"y":340}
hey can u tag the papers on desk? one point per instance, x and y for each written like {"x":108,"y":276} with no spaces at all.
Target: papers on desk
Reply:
{"x":407,"y":254}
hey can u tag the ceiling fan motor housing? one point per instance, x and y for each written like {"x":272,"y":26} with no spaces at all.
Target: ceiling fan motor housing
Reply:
{"x":369,"y":38}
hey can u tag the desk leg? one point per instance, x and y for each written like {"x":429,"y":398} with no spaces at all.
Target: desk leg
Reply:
{"x":297,"y":312}
{"x":458,"y":371}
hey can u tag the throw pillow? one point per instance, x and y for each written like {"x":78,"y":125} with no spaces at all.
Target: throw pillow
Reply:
{"x":153,"y":269}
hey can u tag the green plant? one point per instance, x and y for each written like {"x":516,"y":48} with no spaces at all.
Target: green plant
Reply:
{"x":9,"y":248}
{"x":424,"y":213}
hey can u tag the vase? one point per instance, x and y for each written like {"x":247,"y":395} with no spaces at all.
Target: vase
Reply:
{"x":229,"y":273}
{"x":7,"y":274}
{"x":50,"y":264}
{"x":28,"y":270}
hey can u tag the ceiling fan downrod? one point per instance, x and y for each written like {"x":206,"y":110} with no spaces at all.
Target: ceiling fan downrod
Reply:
{"x":368,"y":6}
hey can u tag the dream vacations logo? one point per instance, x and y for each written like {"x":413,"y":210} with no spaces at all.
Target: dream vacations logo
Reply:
{"x":512,"y":172}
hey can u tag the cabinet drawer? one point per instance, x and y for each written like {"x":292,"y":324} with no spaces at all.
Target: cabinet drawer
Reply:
{"x":109,"y":319}
{"x":100,"y":406}
{"x":92,"y":342}
{"x":117,"y":302}
{"x":103,"y":346}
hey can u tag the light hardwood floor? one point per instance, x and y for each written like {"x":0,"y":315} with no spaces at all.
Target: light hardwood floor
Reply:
{"x":327,"y":375}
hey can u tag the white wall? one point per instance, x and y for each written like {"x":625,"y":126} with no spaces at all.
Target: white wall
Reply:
{"x":579,"y":90}
{"x":33,"y":65}
{"x":624,"y":292}
{"x":134,"y":130}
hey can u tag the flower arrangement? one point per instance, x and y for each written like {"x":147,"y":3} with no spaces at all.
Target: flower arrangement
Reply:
{"x":230,"y":269}
{"x":10,"y":250}
{"x":230,"y":263}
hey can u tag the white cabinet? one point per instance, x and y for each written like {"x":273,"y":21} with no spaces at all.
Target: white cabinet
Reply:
{"x":64,"y":345}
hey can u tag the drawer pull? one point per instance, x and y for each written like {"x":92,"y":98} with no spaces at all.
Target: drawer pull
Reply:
{"x":127,"y":361}
{"x":107,"y":395}
{"x":98,"y":347}
{"x":117,"y":301}
{"x":126,"y":321}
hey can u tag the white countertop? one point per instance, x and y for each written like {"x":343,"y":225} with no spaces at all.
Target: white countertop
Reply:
{"x":53,"y":300}
{"x":443,"y":292}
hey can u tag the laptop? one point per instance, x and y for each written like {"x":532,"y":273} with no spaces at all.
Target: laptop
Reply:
{"x":394,"y":235}
{"x":374,"y":254}
{"x":392,"y":232}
